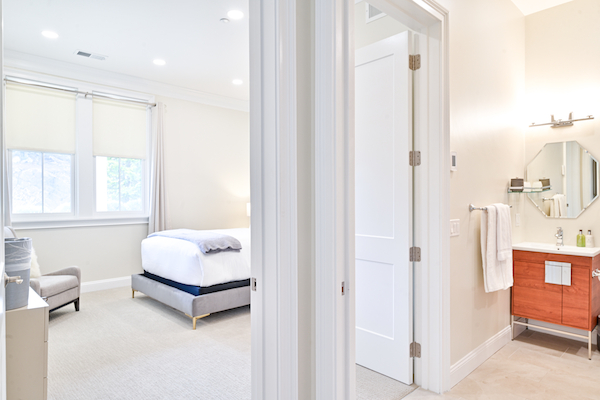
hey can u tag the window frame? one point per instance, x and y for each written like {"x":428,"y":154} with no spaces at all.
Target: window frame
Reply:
{"x":83,"y":162}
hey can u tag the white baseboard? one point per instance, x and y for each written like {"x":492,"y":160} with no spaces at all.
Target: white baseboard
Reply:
{"x":474,"y":359}
{"x":105,"y":284}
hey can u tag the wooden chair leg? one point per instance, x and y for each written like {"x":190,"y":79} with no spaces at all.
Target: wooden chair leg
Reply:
{"x":77,"y":304}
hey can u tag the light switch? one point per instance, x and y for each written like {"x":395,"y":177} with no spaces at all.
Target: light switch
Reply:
{"x":454,"y":227}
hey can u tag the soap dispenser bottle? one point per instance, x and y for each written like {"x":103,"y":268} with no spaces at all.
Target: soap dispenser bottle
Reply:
{"x":589,"y":239}
{"x":580,"y":239}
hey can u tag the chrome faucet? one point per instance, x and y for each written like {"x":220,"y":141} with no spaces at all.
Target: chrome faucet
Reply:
{"x":559,"y":237}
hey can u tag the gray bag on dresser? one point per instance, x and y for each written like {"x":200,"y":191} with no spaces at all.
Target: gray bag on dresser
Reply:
{"x":18,"y":263}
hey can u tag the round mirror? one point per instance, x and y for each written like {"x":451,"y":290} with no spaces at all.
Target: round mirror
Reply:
{"x":569,"y":180}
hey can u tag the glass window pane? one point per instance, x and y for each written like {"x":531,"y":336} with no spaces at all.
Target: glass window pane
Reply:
{"x":107,"y":184}
{"x":26,"y":182}
{"x":131,"y":184}
{"x":57,"y":183}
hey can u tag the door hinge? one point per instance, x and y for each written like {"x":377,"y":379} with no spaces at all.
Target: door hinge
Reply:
{"x":414,"y":62}
{"x":253,"y":284}
{"x":415,"y":254}
{"x":414,"y":158}
{"x":343,"y":287}
{"x":415,"y":350}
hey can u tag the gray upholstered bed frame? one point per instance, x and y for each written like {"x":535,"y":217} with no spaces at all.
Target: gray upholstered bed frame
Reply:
{"x":195,"y":307}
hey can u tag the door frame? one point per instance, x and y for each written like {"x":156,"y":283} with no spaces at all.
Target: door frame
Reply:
{"x":334,"y":197}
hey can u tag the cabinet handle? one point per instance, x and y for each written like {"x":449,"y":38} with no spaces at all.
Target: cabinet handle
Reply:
{"x":596,"y":273}
{"x":12,"y":279}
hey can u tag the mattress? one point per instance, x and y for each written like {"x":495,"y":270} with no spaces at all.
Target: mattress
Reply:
{"x":183,"y":262}
{"x":198,"y":290}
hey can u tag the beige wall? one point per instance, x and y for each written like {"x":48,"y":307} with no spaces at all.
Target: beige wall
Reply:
{"x":208,"y":186}
{"x":487,"y":72}
{"x":207,"y":165}
{"x":559,"y":84}
{"x":102,"y":252}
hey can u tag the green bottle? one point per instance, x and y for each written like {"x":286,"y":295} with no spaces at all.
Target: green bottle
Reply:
{"x":581,"y":239}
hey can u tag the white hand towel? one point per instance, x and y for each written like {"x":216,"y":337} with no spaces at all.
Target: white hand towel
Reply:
{"x":562,"y":205}
{"x":495,"y":272}
{"x":504,"y":243}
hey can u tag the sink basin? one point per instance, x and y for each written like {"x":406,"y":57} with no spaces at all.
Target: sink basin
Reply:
{"x":552,"y":248}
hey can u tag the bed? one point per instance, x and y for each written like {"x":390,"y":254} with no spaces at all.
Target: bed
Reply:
{"x":178,"y":274}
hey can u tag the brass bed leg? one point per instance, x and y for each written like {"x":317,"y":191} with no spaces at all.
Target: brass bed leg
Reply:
{"x":133,"y":293}
{"x":194,"y":319}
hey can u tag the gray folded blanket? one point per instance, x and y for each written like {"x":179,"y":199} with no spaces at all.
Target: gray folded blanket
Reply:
{"x":207,"y":241}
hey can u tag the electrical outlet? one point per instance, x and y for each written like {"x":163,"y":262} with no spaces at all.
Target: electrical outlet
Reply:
{"x":454,"y":227}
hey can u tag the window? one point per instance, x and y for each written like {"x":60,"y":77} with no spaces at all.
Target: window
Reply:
{"x":119,"y":184}
{"x":41,"y":182}
{"x":75,"y":158}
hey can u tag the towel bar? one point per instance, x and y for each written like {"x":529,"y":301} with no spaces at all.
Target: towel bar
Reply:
{"x":473,"y":208}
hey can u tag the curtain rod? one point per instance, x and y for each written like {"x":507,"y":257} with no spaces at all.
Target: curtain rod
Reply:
{"x":116,"y":97}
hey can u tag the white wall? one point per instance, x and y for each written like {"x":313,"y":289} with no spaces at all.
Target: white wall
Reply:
{"x":208,"y":186}
{"x":558,"y":85}
{"x":374,"y":31}
{"x":487,"y":58}
{"x":207,"y":165}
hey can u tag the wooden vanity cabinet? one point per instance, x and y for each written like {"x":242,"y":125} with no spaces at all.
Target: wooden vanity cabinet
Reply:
{"x":576,"y":306}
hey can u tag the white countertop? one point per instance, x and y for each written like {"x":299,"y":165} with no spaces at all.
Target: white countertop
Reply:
{"x":552,"y":248}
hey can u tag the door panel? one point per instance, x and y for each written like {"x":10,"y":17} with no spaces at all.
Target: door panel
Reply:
{"x":576,"y":300}
{"x":383,"y":131}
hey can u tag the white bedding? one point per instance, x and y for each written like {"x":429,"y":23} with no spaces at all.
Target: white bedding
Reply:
{"x":182,"y":261}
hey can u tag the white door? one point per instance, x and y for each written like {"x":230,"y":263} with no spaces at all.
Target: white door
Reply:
{"x":3,"y":205}
{"x":384,"y":207}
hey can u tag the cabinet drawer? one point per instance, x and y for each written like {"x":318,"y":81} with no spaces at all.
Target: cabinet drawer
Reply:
{"x":541,"y":305}
{"x":576,"y":300}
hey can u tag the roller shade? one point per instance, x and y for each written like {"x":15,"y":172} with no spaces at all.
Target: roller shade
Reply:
{"x":119,"y":129}
{"x":40,"y":119}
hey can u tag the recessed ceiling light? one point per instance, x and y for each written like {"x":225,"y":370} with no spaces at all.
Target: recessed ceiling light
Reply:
{"x":158,"y":61}
{"x":235,"y":14}
{"x":224,"y":20}
{"x":50,"y":34}
{"x":237,"y":81}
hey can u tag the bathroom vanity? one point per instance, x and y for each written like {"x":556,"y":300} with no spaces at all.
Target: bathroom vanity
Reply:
{"x":556,"y":285}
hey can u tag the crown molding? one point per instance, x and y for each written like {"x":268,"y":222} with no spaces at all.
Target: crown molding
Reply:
{"x":22,"y":61}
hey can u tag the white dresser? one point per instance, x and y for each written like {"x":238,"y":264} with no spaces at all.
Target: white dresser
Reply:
{"x":27,"y":350}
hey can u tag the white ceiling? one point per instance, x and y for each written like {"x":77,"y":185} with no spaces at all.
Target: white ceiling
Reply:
{"x":532,"y":6}
{"x":201,"y":52}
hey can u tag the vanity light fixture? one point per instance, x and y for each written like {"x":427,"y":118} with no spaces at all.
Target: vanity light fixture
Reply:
{"x":235,"y":14}
{"x":560,"y":123}
{"x":50,"y":34}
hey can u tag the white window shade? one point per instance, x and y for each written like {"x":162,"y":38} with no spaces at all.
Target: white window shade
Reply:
{"x":40,"y":119}
{"x":119,"y":129}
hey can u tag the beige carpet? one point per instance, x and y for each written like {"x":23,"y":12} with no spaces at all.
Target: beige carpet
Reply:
{"x":121,"y":348}
{"x":371,"y":385}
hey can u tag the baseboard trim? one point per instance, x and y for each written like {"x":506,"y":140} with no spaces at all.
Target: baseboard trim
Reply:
{"x":105,"y":284}
{"x":474,"y":359}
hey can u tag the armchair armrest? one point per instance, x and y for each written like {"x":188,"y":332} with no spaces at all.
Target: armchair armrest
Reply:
{"x":76,"y":271}
{"x":35,"y":285}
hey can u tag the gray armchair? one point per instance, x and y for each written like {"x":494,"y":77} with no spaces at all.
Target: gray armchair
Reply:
{"x":59,"y":288}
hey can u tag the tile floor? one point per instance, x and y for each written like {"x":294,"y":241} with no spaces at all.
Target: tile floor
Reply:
{"x":534,"y":366}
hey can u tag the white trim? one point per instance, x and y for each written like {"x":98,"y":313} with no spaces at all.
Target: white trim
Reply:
{"x":474,"y":359}
{"x":21,"y":61}
{"x":79,"y":223}
{"x":334,"y":199}
{"x":273,"y":173}
{"x":105,"y":284}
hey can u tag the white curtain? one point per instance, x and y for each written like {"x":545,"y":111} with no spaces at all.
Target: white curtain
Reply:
{"x":158,"y":208}
{"x":6,"y":190}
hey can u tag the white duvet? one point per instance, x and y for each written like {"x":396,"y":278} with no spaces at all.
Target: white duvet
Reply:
{"x":182,"y":261}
